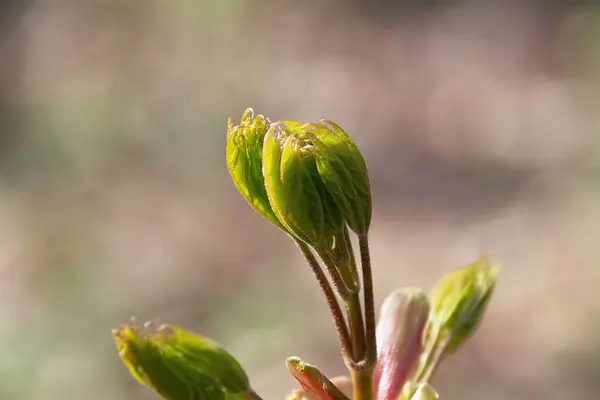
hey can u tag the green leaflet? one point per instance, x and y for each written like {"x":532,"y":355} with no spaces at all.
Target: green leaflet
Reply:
{"x":459,"y":301}
{"x":244,"y":161}
{"x":344,"y":172}
{"x":180,"y":365}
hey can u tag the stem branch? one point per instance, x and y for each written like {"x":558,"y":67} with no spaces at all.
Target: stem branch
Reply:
{"x":334,"y":307}
{"x":365,"y":259}
{"x":357,"y":329}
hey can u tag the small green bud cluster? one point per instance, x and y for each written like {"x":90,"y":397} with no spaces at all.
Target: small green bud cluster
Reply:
{"x":309,"y":180}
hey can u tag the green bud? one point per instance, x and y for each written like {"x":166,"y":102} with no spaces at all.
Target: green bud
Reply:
{"x":315,"y":385}
{"x":458,"y":303}
{"x":400,"y":329}
{"x":342,"y":169}
{"x":244,"y":161}
{"x":344,"y":172}
{"x":296,"y":192}
{"x":300,"y":198}
{"x":180,"y":365}
{"x":317,"y":185}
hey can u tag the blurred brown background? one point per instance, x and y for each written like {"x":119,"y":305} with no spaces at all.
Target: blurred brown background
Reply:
{"x":478,"y":120}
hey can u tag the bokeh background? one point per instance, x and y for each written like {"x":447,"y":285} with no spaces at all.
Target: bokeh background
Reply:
{"x":478,"y":121}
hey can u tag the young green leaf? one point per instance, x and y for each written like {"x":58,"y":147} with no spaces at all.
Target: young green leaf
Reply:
{"x":244,"y":161}
{"x":344,"y":172}
{"x":459,"y":301}
{"x":295,"y":191}
{"x":180,"y":365}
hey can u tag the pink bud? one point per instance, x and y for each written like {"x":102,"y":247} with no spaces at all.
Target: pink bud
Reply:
{"x":399,"y":340}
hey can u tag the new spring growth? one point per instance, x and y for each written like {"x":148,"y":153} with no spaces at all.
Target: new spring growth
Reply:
{"x":309,"y":180}
{"x":316,"y":181}
{"x":244,"y":161}
{"x":399,"y":340}
{"x":180,"y":365}
{"x":458,"y":302}
{"x":344,"y":172}
{"x":316,"y":161}
{"x":313,"y":382}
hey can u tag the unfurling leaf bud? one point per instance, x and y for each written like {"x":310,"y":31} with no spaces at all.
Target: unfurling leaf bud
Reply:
{"x":316,"y":181}
{"x":315,"y":385}
{"x":458,"y":303}
{"x":244,"y":161}
{"x":300,"y":198}
{"x":296,"y":192}
{"x":344,"y":172}
{"x":180,"y":365}
{"x":400,"y":329}
{"x":323,"y":157}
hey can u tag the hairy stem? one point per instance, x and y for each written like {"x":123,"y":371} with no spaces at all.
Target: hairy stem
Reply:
{"x":357,"y":329}
{"x":344,"y":282}
{"x":353,"y":269}
{"x":334,"y":307}
{"x":365,"y":259}
{"x":354,"y":309}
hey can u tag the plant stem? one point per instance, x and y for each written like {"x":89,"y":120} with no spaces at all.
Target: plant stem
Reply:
{"x":362,"y":377}
{"x":432,"y":367}
{"x":354,"y":309}
{"x":353,"y":269}
{"x":351,"y":301}
{"x":365,"y":259}
{"x":342,"y":278}
{"x":334,"y":307}
{"x":357,"y":329}
{"x":362,"y":384}
{"x":434,"y":353}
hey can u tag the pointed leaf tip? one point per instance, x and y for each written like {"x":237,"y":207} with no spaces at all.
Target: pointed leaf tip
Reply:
{"x":179,"y":365}
{"x":459,"y":301}
{"x":244,"y":152}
